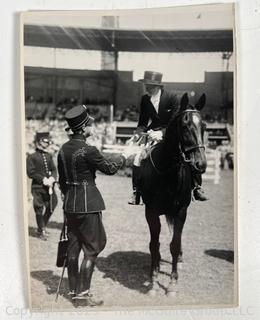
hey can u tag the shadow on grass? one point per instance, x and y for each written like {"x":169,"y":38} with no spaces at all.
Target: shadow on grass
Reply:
{"x":51,"y":225}
{"x":51,"y":282}
{"x":227,"y":255}
{"x":129,"y":268}
{"x":55,"y":225}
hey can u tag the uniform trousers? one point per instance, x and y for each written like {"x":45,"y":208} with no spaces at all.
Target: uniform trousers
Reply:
{"x":85,"y":232}
{"x":43,"y":205}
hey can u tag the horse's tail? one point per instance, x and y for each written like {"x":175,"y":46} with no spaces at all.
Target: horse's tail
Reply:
{"x":173,"y":214}
{"x":170,"y":220}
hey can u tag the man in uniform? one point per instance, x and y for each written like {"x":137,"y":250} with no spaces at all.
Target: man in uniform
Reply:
{"x":83,"y":203}
{"x":42,"y":171}
{"x":158,"y":107}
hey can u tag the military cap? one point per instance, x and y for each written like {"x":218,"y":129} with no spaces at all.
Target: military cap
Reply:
{"x":152,"y":78}
{"x":77,"y":117}
{"x":42,"y":136}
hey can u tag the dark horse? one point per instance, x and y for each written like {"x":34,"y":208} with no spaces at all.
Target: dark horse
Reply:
{"x":166,"y":182}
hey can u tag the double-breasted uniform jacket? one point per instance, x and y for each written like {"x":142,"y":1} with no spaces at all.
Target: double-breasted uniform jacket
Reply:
{"x":77,"y":165}
{"x":39,"y":165}
{"x":150,"y":119}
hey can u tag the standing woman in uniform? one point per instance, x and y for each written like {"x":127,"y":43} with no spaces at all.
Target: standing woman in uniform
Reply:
{"x":83,"y":203}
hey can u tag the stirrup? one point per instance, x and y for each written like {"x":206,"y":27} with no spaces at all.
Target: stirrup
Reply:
{"x":136,"y":198}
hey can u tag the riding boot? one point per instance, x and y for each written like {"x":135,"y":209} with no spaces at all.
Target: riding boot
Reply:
{"x":72,"y":274}
{"x":198,"y":192}
{"x":86,"y":272}
{"x":155,"y":258}
{"x":136,"y":195}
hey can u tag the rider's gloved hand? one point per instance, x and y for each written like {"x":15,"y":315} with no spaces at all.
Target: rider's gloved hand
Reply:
{"x":155,"y":135}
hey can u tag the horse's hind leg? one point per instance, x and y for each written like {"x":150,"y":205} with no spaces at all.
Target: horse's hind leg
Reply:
{"x":154,"y":224}
{"x":175,"y":248}
{"x":180,"y":257}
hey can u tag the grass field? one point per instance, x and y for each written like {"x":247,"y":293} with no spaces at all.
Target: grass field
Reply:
{"x":121,"y":276}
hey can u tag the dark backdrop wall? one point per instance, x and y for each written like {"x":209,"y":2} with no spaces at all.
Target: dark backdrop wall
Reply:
{"x":47,"y":89}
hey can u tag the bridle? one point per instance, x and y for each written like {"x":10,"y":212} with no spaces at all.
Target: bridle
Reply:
{"x":186,"y":150}
{"x":183,"y":151}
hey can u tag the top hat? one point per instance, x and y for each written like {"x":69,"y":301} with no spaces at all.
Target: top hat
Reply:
{"x":152,"y":78}
{"x":42,"y":136}
{"x":77,"y":117}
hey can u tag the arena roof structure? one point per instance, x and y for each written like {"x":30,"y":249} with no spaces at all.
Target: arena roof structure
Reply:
{"x":129,"y":40}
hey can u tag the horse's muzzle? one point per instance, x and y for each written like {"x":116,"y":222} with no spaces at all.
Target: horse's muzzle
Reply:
{"x":199,"y":162}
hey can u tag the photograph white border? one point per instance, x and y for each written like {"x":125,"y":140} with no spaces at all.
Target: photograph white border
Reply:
{"x":25,"y":16}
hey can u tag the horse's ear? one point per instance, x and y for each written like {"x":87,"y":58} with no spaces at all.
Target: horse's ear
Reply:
{"x":184,"y":101}
{"x":201,"y":102}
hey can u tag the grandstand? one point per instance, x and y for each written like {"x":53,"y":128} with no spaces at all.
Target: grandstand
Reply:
{"x":92,"y":65}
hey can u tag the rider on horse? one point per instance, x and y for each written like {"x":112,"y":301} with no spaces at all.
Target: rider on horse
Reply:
{"x":157,"y":109}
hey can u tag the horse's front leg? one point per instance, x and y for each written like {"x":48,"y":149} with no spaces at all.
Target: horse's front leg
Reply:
{"x":175,"y":248}
{"x":154,"y":224}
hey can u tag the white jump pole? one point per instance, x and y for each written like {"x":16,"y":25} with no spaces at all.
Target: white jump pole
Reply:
{"x":111,"y":113}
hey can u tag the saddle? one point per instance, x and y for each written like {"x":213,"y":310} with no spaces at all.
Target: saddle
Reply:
{"x":146,"y":145}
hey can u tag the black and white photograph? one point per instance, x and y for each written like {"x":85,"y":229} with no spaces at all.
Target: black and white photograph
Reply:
{"x":129,"y":144}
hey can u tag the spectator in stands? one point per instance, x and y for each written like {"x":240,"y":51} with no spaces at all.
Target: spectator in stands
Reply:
{"x":224,"y":149}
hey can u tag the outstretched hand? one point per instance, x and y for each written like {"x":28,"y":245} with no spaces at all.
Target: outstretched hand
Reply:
{"x":133,"y":140}
{"x":130,"y":151}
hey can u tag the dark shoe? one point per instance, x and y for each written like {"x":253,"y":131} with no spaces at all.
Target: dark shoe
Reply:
{"x":72,"y":294}
{"x":135,"y":198}
{"x":42,"y":235}
{"x":199,"y":194}
{"x":87,"y":299}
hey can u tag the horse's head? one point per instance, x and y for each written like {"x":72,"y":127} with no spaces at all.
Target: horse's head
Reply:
{"x":190,"y":133}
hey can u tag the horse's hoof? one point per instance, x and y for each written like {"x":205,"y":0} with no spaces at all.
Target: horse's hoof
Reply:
{"x":154,"y":288}
{"x":152,"y":293}
{"x":171,"y":289}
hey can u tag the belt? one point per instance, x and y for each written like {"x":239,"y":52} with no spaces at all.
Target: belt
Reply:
{"x":72,"y":183}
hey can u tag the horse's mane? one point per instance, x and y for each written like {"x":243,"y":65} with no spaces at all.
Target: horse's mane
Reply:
{"x":171,"y":130}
